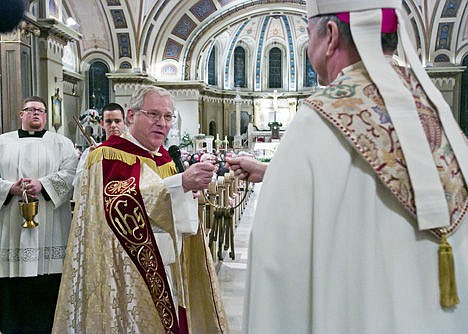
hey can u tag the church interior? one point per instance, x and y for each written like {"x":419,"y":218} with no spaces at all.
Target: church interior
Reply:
{"x":213,"y":55}
{"x":238,"y":71}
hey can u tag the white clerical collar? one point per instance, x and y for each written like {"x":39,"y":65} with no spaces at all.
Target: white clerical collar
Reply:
{"x":132,"y":139}
{"x":360,"y":65}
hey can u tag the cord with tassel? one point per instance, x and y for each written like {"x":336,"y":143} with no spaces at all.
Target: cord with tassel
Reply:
{"x":447,"y":282}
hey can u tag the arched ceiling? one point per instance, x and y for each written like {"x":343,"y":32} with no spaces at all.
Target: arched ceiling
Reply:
{"x":145,"y":35}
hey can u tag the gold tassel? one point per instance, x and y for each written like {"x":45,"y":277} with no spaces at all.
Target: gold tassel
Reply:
{"x":447,"y":283}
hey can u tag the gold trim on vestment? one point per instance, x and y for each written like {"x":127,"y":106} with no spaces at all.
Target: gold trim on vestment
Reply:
{"x":166,"y":170}
{"x":110,"y":153}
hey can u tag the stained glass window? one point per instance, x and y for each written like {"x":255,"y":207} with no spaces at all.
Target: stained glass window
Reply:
{"x":310,"y":77}
{"x":98,"y":85}
{"x":275,"y":73}
{"x":239,"y":67}
{"x":212,"y":67}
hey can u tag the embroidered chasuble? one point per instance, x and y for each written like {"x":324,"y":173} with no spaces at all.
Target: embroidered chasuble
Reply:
{"x":121,"y":285}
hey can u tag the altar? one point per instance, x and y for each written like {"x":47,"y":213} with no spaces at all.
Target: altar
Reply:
{"x":264,"y":151}
{"x":275,"y":109}
{"x":271,"y":118}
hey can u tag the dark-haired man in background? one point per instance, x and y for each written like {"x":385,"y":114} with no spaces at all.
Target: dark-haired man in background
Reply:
{"x":113,"y":123}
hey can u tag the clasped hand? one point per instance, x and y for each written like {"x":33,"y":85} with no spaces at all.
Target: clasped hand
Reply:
{"x":33,"y":187}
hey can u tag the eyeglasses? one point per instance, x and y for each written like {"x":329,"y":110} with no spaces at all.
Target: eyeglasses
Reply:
{"x":33,"y":110}
{"x":156,"y":116}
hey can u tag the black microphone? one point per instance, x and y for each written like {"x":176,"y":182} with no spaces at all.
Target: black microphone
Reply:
{"x":11,"y":13}
{"x":174,"y":153}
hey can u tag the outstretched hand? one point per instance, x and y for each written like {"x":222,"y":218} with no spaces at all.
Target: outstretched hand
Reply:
{"x":247,"y":168}
{"x":198,"y":176}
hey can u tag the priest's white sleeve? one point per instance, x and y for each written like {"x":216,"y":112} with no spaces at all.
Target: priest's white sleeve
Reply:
{"x":79,"y":171}
{"x":184,"y":206}
{"x":58,"y":184}
{"x":185,"y":215}
{"x":4,"y":190}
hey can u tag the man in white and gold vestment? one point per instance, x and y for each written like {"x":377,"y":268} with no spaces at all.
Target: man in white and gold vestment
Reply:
{"x":132,"y":219}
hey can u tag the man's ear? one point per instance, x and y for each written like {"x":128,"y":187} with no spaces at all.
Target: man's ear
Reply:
{"x":333,"y":38}
{"x":129,"y":117}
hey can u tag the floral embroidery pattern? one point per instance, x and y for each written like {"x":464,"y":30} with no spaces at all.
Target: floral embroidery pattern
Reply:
{"x":355,"y":107}
{"x":32,"y":254}
{"x":339,"y":91}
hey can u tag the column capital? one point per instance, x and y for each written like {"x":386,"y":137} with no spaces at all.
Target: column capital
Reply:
{"x":51,"y":27}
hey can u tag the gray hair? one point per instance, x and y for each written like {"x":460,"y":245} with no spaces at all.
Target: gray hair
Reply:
{"x":321,"y":22}
{"x":136,"y":101}
{"x":389,"y":40}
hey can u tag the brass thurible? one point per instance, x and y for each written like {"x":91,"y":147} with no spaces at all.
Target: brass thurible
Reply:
{"x":28,"y":209}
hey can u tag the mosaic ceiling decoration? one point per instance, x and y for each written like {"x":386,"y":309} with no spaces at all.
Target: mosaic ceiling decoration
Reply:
{"x":119,"y":18}
{"x":451,"y":8}
{"x":203,"y":9}
{"x":124,"y":45}
{"x":444,"y":35}
{"x":172,"y":49}
{"x":184,"y":27}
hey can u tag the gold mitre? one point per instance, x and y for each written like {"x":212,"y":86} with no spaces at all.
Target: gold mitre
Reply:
{"x":320,"y":7}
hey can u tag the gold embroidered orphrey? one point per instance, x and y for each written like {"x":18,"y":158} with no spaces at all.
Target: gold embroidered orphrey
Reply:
{"x":131,"y":229}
